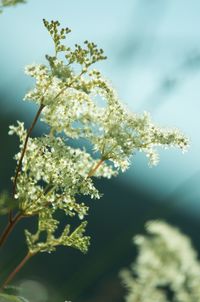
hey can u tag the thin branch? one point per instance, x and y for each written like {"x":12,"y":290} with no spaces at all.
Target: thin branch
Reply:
{"x":9,"y":228}
{"x":63,"y":89}
{"x":94,"y":169}
{"x":29,"y":132}
{"x":25,"y":146}
{"x":16,"y":270}
{"x":13,"y":221}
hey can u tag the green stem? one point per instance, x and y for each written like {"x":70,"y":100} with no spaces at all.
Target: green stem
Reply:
{"x":93,"y":170}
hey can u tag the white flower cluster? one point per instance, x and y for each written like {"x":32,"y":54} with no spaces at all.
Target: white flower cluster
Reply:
{"x":55,"y":173}
{"x":76,"y":101}
{"x":74,"y":98}
{"x":166,"y":268}
{"x":52,"y":175}
{"x":112,"y":129}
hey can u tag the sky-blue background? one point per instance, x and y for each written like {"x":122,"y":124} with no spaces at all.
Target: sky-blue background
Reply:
{"x":153,"y":50}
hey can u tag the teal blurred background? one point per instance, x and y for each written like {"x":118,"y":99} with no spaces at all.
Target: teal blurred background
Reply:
{"x":153,"y":50}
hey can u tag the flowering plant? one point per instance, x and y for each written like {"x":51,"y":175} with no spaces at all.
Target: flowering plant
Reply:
{"x":75,"y":101}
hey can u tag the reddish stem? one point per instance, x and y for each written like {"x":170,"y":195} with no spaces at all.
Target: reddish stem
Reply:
{"x":13,"y":221}
{"x":10,"y":215}
{"x":11,"y":224}
{"x":24,"y":148}
{"x":16,"y":270}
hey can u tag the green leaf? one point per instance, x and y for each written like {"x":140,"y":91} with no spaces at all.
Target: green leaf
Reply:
{"x":6,"y":203}
{"x":11,"y":298}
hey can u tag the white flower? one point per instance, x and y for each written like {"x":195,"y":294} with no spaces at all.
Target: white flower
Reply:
{"x":166,"y":263}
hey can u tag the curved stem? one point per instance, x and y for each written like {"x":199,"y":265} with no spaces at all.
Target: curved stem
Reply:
{"x":11,"y":224}
{"x":25,"y":146}
{"x":26,"y":142}
{"x":16,"y":270}
{"x":13,"y":221}
{"x":22,"y":156}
